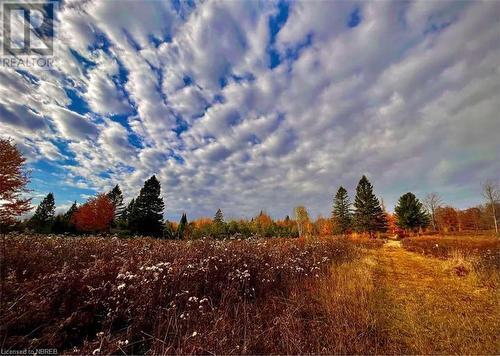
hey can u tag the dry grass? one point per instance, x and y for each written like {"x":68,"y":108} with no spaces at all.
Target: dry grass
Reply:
{"x":144,"y":295}
{"x":279,"y":296}
{"x":463,"y":253}
{"x":436,"y":306}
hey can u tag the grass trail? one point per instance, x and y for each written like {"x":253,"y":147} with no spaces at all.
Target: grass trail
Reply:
{"x":424,"y":307}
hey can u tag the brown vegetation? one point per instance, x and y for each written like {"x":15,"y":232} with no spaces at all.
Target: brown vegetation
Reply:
{"x":166,"y":297}
{"x":280,"y":296}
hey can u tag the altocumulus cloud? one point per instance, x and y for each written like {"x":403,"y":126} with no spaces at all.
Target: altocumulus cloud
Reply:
{"x":263,"y":105}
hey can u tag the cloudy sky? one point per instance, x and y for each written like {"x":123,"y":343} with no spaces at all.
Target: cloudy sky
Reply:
{"x":249,"y":105}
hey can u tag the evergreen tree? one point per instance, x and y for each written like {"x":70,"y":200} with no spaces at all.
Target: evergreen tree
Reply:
{"x":147,"y":210}
{"x":218,"y":218}
{"x":72,"y":209}
{"x":131,"y":216}
{"x":341,"y":214}
{"x":59,"y":224}
{"x":182,"y":227}
{"x":218,"y":225}
{"x":368,"y":215}
{"x":63,"y":223}
{"x":410,"y":213}
{"x":44,"y":215}
{"x":68,"y":217}
{"x":116,"y":197}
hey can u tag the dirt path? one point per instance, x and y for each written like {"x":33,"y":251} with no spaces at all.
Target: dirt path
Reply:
{"x":425,"y":307}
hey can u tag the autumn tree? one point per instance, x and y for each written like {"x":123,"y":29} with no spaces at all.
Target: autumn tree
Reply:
{"x":14,"y":179}
{"x":146,"y":213}
{"x":341,"y":214}
{"x":302,"y":220}
{"x":43,"y":218}
{"x":432,"y":201}
{"x":368,"y":214}
{"x":410,"y":213}
{"x":170,"y":230}
{"x":447,"y":219}
{"x":95,"y":215}
{"x":470,"y":219}
{"x":264,"y":224}
{"x":323,"y":226}
{"x":491,"y":192}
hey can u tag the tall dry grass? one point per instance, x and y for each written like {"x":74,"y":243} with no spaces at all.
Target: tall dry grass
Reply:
{"x":97,"y":295}
{"x":463,"y":254}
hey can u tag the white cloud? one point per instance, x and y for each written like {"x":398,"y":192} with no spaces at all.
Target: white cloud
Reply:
{"x":408,"y":96}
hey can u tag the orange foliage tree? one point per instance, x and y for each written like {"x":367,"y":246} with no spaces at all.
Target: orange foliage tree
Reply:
{"x":447,"y":219}
{"x":470,"y":219}
{"x":95,"y":215}
{"x":324,"y":226}
{"x":13,"y":181}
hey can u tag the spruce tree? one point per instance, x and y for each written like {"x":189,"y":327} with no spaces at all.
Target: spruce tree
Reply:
{"x":368,"y":214}
{"x":182,"y":227}
{"x":218,"y":218}
{"x":68,"y":217}
{"x":44,"y":215}
{"x":116,"y":197}
{"x":218,"y":225}
{"x":341,"y":214}
{"x":131,"y":216}
{"x":148,"y":209}
{"x":410,"y":213}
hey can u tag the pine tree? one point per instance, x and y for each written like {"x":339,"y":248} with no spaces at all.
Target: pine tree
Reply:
{"x":410,"y":213}
{"x":218,"y":225}
{"x":341,"y":214}
{"x":218,"y":218}
{"x":116,"y":197}
{"x":68,"y":217}
{"x":44,"y":215}
{"x":64,"y":223}
{"x":148,"y":209}
{"x":182,"y":227}
{"x":131,"y":216}
{"x":72,"y":209}
{"x":368,"y":215}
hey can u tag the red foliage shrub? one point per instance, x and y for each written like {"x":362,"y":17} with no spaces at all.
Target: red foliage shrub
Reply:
{"x":95,"y":215}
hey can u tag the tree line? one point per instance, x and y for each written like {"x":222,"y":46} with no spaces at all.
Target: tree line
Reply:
{"x":143,"y":215}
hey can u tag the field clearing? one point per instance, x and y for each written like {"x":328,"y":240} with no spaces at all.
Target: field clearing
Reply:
{"x":432,"y":305}
{"x":100,"y":295}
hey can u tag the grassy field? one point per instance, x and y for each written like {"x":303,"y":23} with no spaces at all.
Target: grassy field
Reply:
{"x":283,"y":296}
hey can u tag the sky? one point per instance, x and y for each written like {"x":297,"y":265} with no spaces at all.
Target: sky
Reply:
{"x":262,"y":105}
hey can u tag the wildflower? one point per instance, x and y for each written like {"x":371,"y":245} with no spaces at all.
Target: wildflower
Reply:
{"x":194,"y":334}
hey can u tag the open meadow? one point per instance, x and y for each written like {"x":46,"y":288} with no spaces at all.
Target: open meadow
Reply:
{"x":103,"y":295}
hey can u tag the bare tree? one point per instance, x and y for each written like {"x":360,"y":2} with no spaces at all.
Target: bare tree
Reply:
{"x":302,"y":218}
{"x":432,"y":201}
{"x":491,"y":192}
